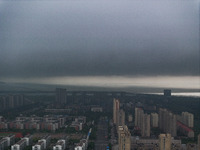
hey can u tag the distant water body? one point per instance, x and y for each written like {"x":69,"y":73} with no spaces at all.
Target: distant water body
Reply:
{"x":188,"y":94}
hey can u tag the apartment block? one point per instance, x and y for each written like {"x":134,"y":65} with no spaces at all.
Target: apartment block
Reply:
{"x":124,"y":138}
{"x":167,"y":122}
{"x":42,"y":143}
{"x":7,"y":141}
{"x":116,"y":106}
{"x":165,"y":141}
{"x":142,"y":121}
{"x":154,"y":120}
{"x":20,"y":145}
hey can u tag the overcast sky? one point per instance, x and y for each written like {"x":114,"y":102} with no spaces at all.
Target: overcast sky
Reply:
{"x":41,"y":38}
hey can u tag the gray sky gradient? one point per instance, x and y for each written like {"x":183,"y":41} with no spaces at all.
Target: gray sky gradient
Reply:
{"x":102,"y":38}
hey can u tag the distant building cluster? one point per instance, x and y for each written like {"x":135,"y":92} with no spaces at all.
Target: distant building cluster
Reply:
{"x":50,"y":123}
{"x":165,"y":120}
{"x":43,"y":143}
{"x":83,"y":144}
{"x":11,"y":101}
{"x":78,"y":123}
{"x":151,"y":120}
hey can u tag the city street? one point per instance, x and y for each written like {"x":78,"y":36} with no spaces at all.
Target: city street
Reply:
{"x":102,"y":134}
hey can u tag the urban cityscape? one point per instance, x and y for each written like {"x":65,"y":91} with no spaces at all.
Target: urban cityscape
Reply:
{"x":88,"y":120}
{"x":99,"y":74}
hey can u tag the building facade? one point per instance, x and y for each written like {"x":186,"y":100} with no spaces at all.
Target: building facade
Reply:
{"x":167,"y":122}
{"x":165,"y":141}
{"x":20,"y":145}
{"x":154,"y":120}
{"x":124,"y":138}
{"x":116,"y":106}
{"x":142,"y":121}
{"x":42,"y":143}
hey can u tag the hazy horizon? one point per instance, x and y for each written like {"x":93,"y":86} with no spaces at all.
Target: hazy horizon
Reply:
{"x":186,"y":82}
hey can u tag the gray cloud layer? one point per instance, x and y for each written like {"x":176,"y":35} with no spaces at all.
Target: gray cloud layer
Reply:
{"x":61,"y":38}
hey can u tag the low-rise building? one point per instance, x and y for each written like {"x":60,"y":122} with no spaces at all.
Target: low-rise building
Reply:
{"x":42,"y":143}
{"x":50,"y":123}
{"x":20,"y":145}
{"x":149,"y":143}
{"x":185,"y":130}
{"x":7,"y":141}
{"x":60,"y":145}
{"x":83,"y":144}
{"x":97,"y":109}
{"x":3,"y":144}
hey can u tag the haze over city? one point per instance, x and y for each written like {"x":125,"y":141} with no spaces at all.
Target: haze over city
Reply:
{"x":99,"y":75}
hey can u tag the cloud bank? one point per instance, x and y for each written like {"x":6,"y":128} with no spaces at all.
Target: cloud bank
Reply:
{"x":99,"y":38}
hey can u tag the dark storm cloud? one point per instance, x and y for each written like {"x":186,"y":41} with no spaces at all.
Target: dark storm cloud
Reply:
{"x":61,"y":38}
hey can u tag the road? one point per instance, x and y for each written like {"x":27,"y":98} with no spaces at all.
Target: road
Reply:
{"x":102,"y":133}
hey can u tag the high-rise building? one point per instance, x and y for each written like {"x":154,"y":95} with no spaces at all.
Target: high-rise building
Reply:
{"x":165,"y":142}
{"x":124,"y":138}
{"x":116,"y":107}
{"x":145,"y":128}
{"x":120,"y":118}
{"x":167,"y":122}
{"x":142,"y":121}
{"x":61,"y":96}
{"x":154,"y":120}
{"x":187,"y":119}
{"x":138,"y":116}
